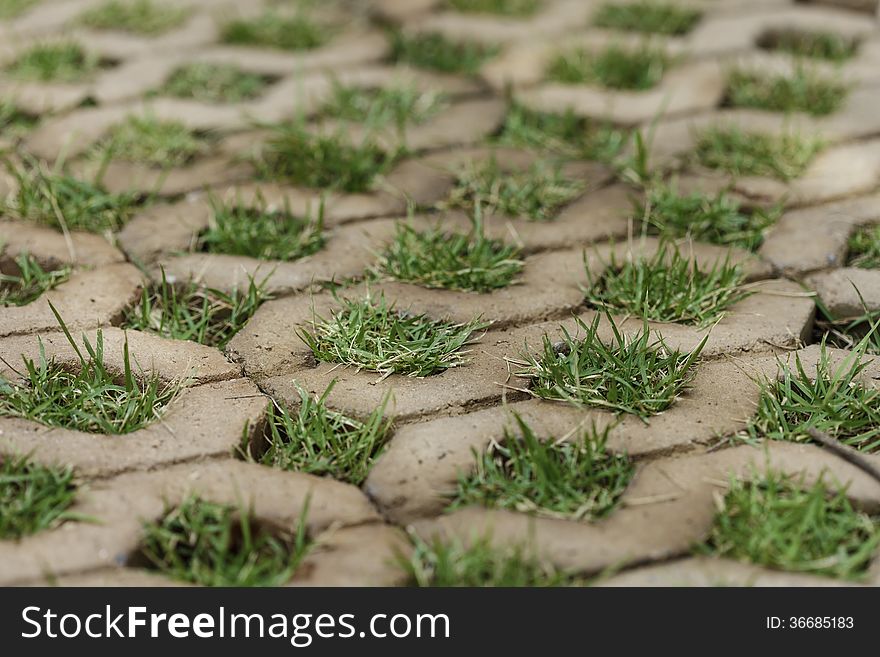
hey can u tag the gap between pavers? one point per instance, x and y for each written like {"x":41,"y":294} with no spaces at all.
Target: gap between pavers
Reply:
{"x":352,"y":545}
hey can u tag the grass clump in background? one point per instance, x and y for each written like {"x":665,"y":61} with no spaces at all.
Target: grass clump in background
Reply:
{"x":633,"y":374}
{"x":30,"y":282}
{"x":437,"y":53}
{"x":272,"y":30}
{"x":803,"y":91}
{"x":577,"y":479}
{"x":55,"y":62}
{"x":647,"y":17}
{"x":191,"y":312}
{"x":741,"y":153}
{"x":666,"y":287}
{"x":372,"y":335}
{"x":615,"y":67}
{"x":864,"y":248}
{"x":33,"y":497}
{"x":259,"y":231}
{"x":814,"y":44}
{"x":220,"y":545}
{"x":324,"y":442}
{"x":564,"y":135}
{"x":516,"y":8}
{"x":214,"y":83}
{"x":143,"y":17}
{"x":15,"y":8}
{"x":714,"y":218}
{"x":535,"y":194}
{"x":397,"y":106}
{"x":153,"y":142}
{"x":781,"y":523}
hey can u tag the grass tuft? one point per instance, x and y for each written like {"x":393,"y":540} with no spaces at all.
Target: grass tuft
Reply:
{"x":437,"y":53}
{"x":803,"y":91}
{"x":615,"y":67}
{"x":33,"y":497}
{"x":397,"y":106}
{"x":516,"y":8}
{"x":634,"y":374}
{"x":779,"y":523}
{"x":372,"y":335}
{"x":784,"y":156}
{"x":143,"y":17}
{"x":864,"y":247}
{"x":153,"y":142}
{"x":647,"y":16}
{"x":271,"y":30}
{"x":667,"y":287}
{"x":30,"y":282}
{"x":221,"y":545}
{"x":577,"y":480}
{"x":535,"y":194}
{"x":214,"y":83}
{"x":55,"y":62}
{"x":814,"y":44}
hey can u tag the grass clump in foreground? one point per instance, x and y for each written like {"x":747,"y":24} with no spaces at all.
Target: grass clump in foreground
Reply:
{"x":324,"y":161}
{"x":715,"y":218}
{"x":803,"y":91}
{"x":143,"y":17}
{"x":535,"y":194}
{"x":221,"y":545}
{"x":33,"y":497}
{"x":634,"y":374}
{"x":647,"y":16}
{"x":323,"y":442}
{"x":864,"y":248}
{"x":91,"y":399}
{"x":153,"y":142}
{"x":576,"y":479}
{"x":445,"y":564}
{"x":833,"y":399}
{"x":214,"y":83}
{"x":437,"y":53}
{"x":271,"y":30}
{"x":615,"y":67}
{"x":779,"y":523}
{"x":55,"y":62}
{"x":191,"y":312}
{"x":667,"y":287}
{"x":63,"y":202}
{"x":397,"y":106}
{"x":434,"y":258}
{"x":741,"y":153}
{"x":565,"y":135}
{"x":258,"y":231}
{"x":517,"y":8}
{"x":372,"y":335}
{"x":30,"y":282}
{"x":814,"y":44}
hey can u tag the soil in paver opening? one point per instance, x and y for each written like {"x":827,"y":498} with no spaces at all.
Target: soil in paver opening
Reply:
{"x":615,"y":67}
{"x":272,"y":30}
{"x":29,"y":281}
{"x":815,"y":44}
{"x":743,"y":153}
{"x":153,"y":142}
{"x":66,"y":62}
{"x":396,"y":106}
{"x":142,"y":17}
{"x":33,"y":497}
{"x":514,"y":8}
{"x":13,"y":122}
{"x":803,"y":91}
{"x":215,"y":83}
{"x":648,"y":17}
{"x":435,"y":52}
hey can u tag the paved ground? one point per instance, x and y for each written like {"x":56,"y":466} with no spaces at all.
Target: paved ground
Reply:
{"x":683,"y":456}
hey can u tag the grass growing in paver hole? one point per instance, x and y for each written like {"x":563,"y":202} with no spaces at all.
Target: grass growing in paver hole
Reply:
{"x":13,"y":122}
{"x":373,"y":335}
{"x":741,"y":153}
{"x":781,"y":523}
{"x":191,"y":312}
{"x":214,"y":83}
{"x":847,"y":332}
{"x":55,"y":62}
{"x":221,"y":545}
{"x":565,"y":135}
{"x":647,"y":16}
{"x":326,"y":161}
{"x":864,"y":247}
{"x":273,"y":30}
{"x":666,"y":287}
{"x":320,"y":441}
{"x":435,"y":52}
{"x":633,"y":374}
{"x":60,"y":201}
{"x":614,"y":67}
{"x":15,"y":8}
{"x":143,"y":17}
{"x":435,"y":258}
{"x":803,"y":91}
{"x":33,"y":497}
{"x":815,"y":44}
{"x":715,"y":218}
{"x":260,"y":231}
{"x":536,"y":193}
{"x":30,"y":282}
{"x":516,"y":8}
{"x":440,"y":563}
{"x":92,"y":398}
{"x":833,"y":398}
{"x":398,"y":105}
{"x":577,"y":479}
{"x":153,"y":142}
